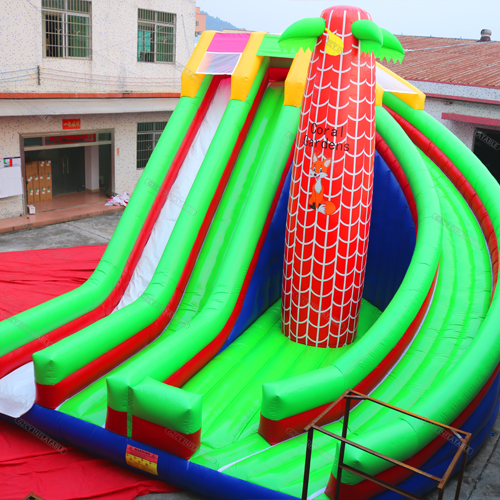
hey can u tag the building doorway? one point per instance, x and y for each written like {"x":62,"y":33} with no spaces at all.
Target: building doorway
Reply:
{"x":81,"y":163}
{"x":487,"y":149}
{"x":68,"y":168}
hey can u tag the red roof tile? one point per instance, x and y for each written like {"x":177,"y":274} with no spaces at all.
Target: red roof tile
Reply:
{"x":449,"y":60}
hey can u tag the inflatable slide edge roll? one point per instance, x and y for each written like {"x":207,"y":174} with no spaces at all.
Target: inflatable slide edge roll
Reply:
{"x":291,"y":397}
{"x":34,"y":324}
{"x":166,"y":417}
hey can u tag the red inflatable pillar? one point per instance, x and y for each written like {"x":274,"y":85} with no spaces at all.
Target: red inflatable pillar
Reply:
{"x":330,"y":197}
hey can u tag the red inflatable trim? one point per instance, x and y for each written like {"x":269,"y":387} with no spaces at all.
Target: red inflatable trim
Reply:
{"x":278,"y":74}
{"x":395,"y":475}
{"x":116,"y":421}
{"x":23,"y":354}
{"x":177,"y":443}
{"x":276,"y":431}
{"x":52,"y":396}
{"x":460,"y":182}
{"x":395,"y":167}
{"x":195,"y":364}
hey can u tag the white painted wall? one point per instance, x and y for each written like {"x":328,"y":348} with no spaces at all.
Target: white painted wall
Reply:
{"x":464,"y":131}
{"x":125,"y":134}
{"x":437,"y":106}
{"x":114,"y":54}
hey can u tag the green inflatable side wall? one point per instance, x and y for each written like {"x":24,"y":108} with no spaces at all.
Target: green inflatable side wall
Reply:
{"x":60,"y":360}
{"x":33,"y":323}
{"x":403,"y":437}
{"x":167,"y":406}
{"x":295,"y":395}
{"x":223,"y":286}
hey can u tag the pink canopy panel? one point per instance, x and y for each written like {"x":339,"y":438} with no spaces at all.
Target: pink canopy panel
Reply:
{"x":223,"y":54}
{"x":229,"y":42}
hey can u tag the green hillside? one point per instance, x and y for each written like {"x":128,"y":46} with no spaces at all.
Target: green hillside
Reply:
{"x":217,"y":24}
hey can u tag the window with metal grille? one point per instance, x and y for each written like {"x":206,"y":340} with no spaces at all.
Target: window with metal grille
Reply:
{"x":67,"y":28}
{"x":148,"y":135}
{"x":156,"y":36}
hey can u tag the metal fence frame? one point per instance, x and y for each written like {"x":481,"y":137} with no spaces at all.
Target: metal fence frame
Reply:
{"x":349,"y":395}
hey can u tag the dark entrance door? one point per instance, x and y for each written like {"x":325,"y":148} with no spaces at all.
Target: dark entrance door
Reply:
{"x":487,"y":149}
{"x":105,"y":169}
{"x":68,"y":170}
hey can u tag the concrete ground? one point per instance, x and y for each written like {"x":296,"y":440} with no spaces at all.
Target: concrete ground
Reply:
{"x":482,"y":476}
{"x":92,"y":231}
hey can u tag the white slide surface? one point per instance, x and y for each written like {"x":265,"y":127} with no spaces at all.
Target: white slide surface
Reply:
{"x":17,"y":391}
{"x":175,"y":201}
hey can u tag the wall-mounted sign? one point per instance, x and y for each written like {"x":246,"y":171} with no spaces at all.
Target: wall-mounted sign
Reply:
{"x":71,"y":124}
{"x":69,"y":139}
{"x":11,"y":162}
{"x":10,"y":182}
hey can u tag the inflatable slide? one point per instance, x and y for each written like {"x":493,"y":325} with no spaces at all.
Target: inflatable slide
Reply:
{"x":302,"y":228}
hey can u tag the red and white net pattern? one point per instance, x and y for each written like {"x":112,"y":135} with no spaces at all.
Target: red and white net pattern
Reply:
{"x":325,"y":255}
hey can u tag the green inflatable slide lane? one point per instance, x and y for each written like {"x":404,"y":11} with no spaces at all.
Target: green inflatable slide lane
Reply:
{"x":223,"y":262}
{"x":231,"y":384}
{"x":33,"y":323}
{"x":294,"y":395}
{"x":72,"y":353}
{"x":441,"y":346}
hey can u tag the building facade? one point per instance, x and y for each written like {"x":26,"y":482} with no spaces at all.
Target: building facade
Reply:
{"x":201,"y":22}
{"x":461,"y":79}
{"x":88,"y":85}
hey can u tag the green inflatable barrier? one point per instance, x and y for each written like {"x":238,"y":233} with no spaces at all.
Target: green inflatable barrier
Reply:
{"x":40,"y":320}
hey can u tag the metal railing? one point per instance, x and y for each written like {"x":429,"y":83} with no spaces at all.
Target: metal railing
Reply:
{"x":350,"y":395}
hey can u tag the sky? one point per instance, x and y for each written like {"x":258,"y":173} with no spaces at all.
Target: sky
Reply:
{"x":438,"y":18}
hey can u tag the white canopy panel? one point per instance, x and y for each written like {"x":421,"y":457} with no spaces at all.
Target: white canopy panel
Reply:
{"x":391,"y":84}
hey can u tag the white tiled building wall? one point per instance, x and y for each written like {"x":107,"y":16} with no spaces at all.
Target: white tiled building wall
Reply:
{"x":463,"y":130}
{"x":113,"y":66}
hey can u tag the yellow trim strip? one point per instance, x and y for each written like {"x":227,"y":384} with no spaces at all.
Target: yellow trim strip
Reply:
{"x":246,"y":71}
{"x":379,"y":96}
{"x":190,"y":81}
{"x":296,"y":79}
{"x":417,"y":100}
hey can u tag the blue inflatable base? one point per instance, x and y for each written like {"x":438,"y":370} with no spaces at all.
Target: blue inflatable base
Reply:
{"x":219,"y":486}
{"x":172,"y":469}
